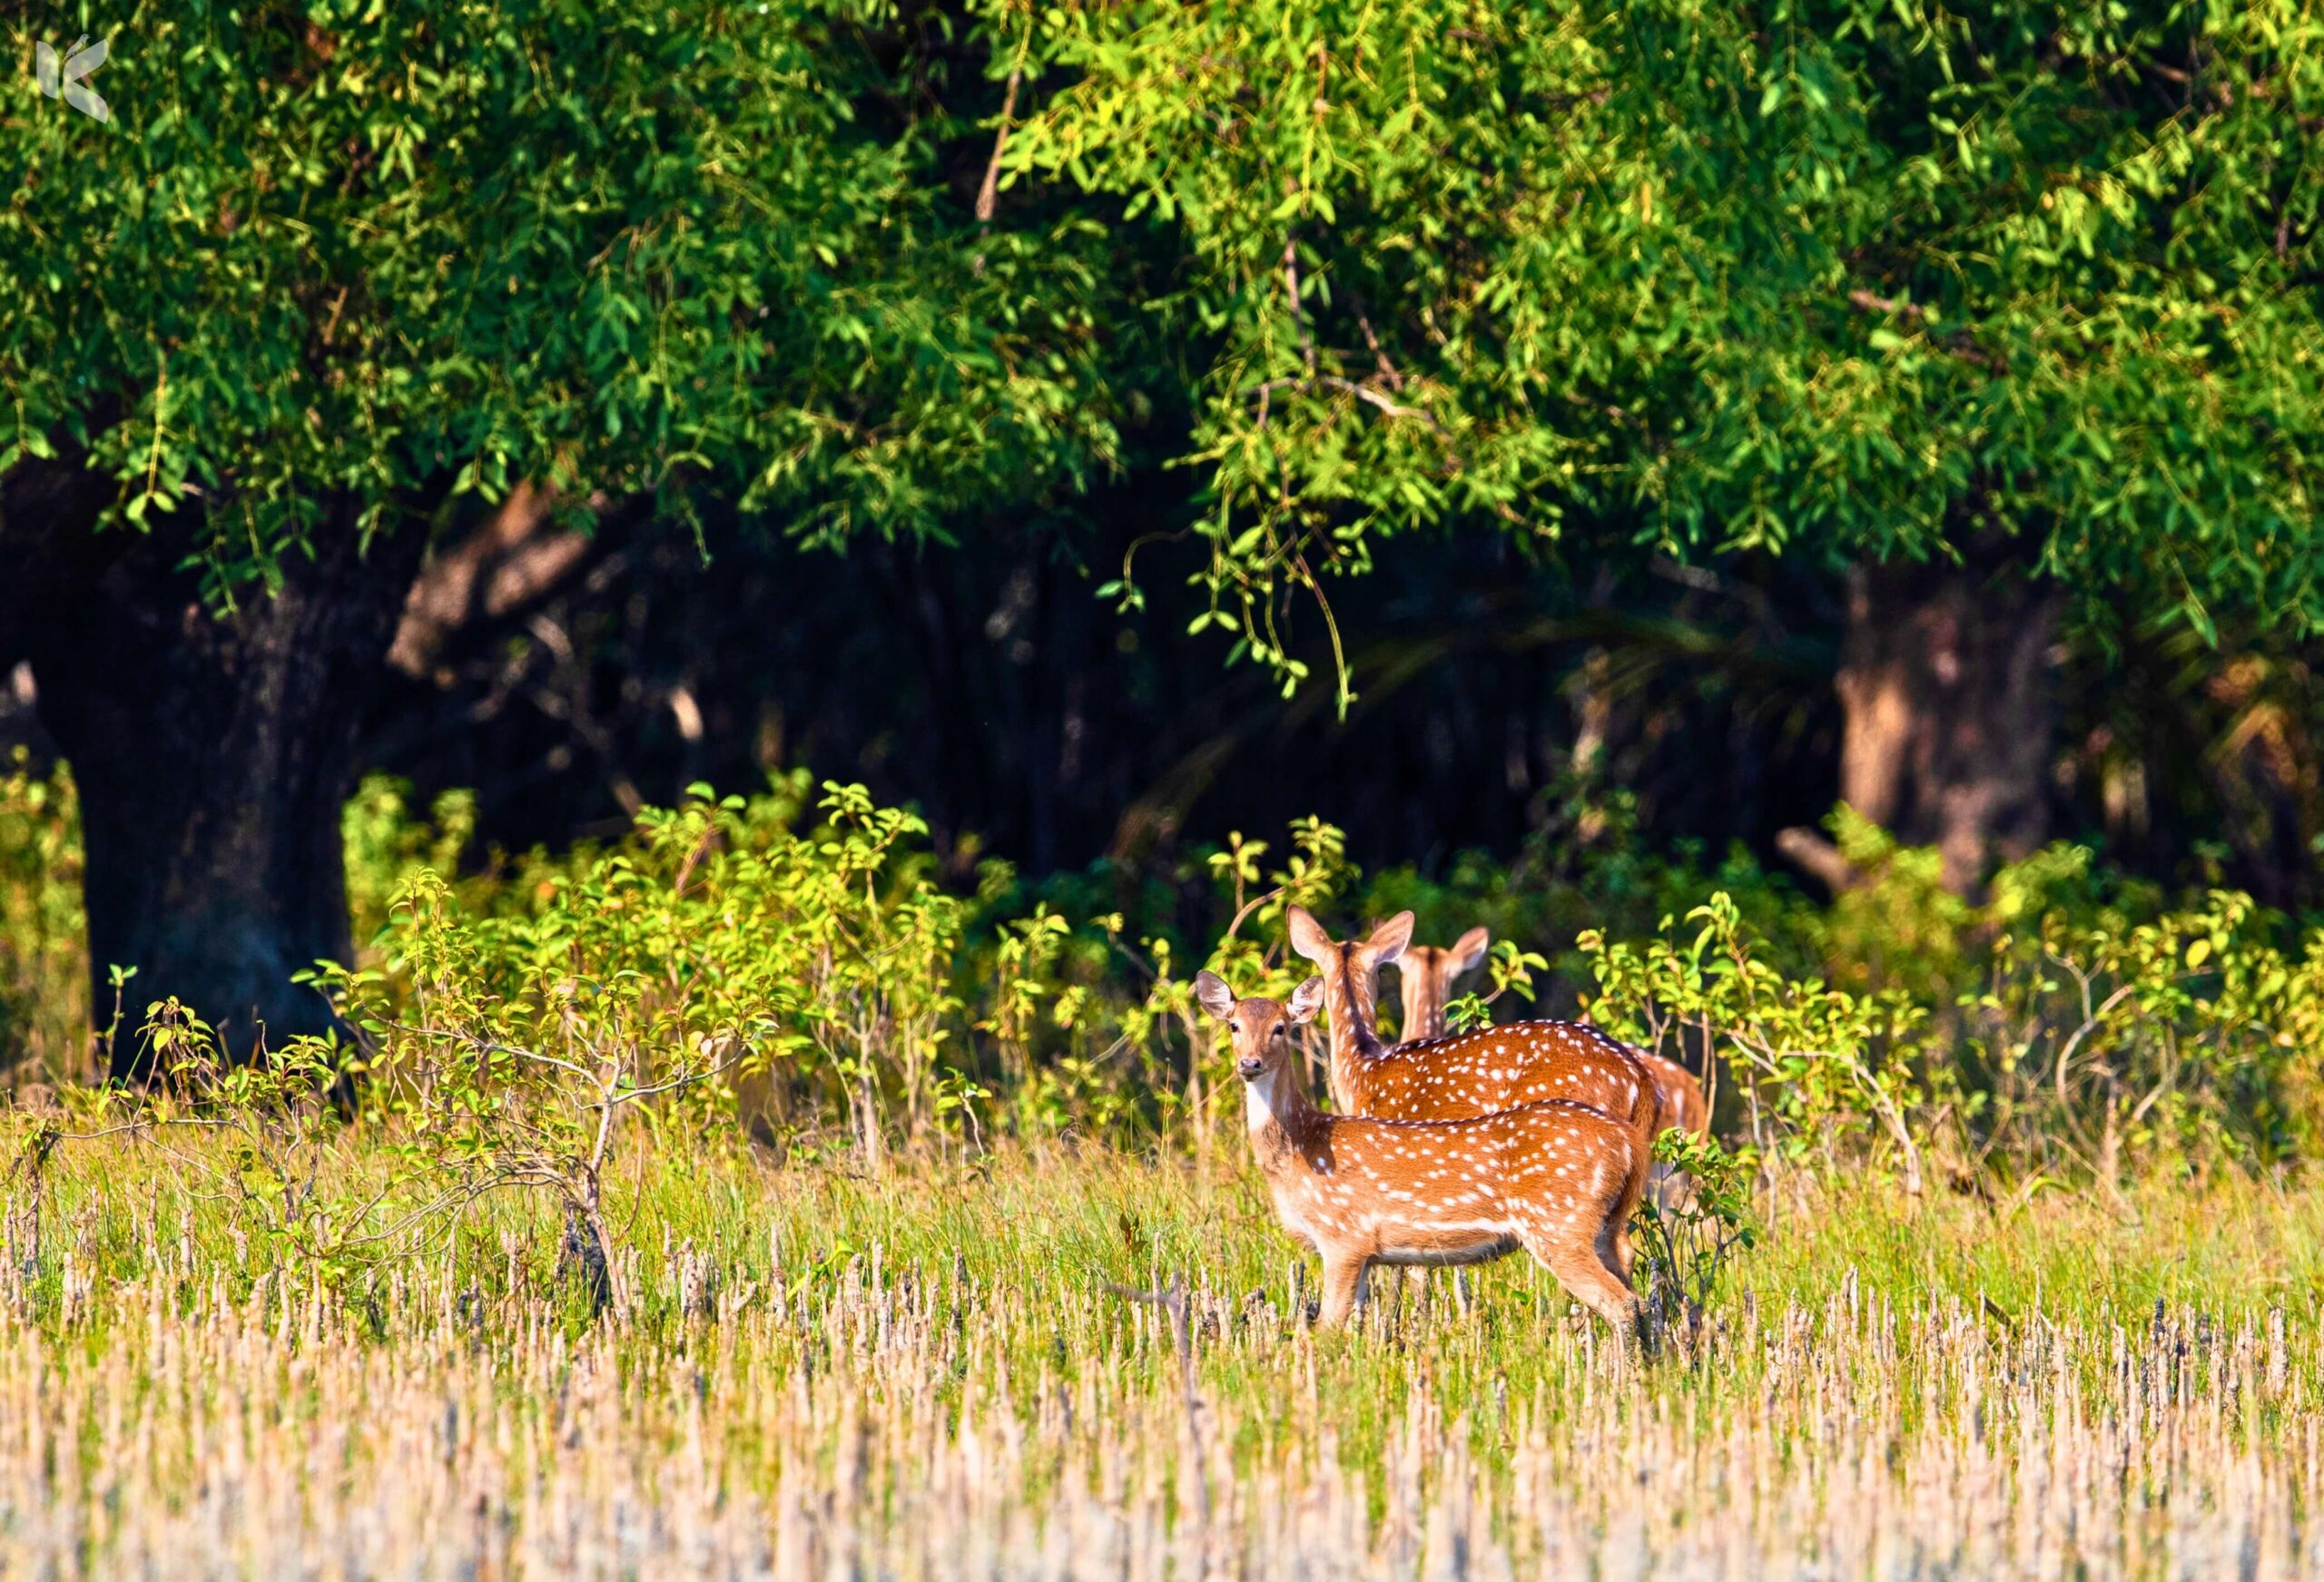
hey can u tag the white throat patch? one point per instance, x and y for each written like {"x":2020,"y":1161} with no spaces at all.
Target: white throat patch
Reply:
{"x":1258,"y":1098}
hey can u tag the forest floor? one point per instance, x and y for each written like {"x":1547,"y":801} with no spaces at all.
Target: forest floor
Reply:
{"x":963,"y":1371}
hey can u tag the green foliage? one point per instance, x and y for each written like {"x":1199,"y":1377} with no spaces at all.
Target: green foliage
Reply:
{"x":384,"y":843}
{"x":1813,"y":1062}
{"x":44,"y":953}
{"x":1466,"y":1013}
{"x":811,"y":965}
{"x":2176,"y":1037}
{"x":1690,"y":1237}
{"x":385,"y":252}
{"x":1855,"y":277}
{"x":793,"y":960}
{"x":1852,"y":278}
{"x":2072,"y":1027}
{"x":261,"y":1140}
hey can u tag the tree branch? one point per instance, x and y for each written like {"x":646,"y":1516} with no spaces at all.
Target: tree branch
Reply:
{"x":989,"y":192}
{"x":1820,"y":859}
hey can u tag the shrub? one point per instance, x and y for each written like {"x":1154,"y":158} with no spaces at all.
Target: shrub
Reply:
{"x":791,"y":957}
{"x":44,"y":952}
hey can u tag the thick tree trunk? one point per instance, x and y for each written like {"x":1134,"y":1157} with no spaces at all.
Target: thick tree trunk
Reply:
{"x":49,"y":552}
{"x":49,"y":549}
{"x":1946,"y":685}
{"x":212,"y":754}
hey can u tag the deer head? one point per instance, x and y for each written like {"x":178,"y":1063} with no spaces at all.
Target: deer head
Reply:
{"x":1351,"y":970}
{"x":1262,"y":1032}
{"x":1429,"y":973}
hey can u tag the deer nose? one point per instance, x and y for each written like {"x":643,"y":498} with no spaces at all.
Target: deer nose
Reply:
{"x":1250,"y":1066}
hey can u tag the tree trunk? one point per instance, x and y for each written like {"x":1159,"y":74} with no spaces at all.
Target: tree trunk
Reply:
{"x":49,"y":553}
{"x":1945,"y":682}
{"x":212,"y":754}
{"x":50,"y":550}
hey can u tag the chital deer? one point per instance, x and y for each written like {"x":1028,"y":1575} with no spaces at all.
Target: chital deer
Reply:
{"x":1558,"y":1179}
{"x":1427,"y":973}
{"x":1464,"y":1073}
{"x":1683,"y":1108}
{"x":1477,"y":1073}
{"x":1683,"y":1105}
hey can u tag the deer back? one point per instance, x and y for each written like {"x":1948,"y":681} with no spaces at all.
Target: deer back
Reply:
{"x":1500,"y":1068}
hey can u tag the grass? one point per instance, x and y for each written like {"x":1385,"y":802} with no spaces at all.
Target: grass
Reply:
{"x":939,"y":1374}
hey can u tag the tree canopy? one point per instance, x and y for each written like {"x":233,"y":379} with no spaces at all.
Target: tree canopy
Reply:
{"x":1860,"y":283}
{"x":1857,"y":278}
{"x":392,"y":252}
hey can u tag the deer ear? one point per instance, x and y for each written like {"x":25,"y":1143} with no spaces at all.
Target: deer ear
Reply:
{"x":1216,"y":996}
{"x":1469,"y":951}
{"x":1305,"y":1000}
{"x":1389,"y":939}
{"x":1307,"y":936}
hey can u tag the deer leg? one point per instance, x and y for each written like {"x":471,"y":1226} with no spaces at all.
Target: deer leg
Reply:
{"x":1620,"y":1258}
{"x":1614,"y":1249}
{"x":1585,"y":1278}
{"x":1346,"y":1284}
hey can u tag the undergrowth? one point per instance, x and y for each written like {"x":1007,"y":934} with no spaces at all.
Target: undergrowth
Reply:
{"x":737,"y":1198}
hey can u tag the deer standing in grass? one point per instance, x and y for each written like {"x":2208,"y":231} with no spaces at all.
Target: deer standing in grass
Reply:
{"x":1427,"y":975}
{"x":1558,"y":1179}
{"x":1477,"y":1073}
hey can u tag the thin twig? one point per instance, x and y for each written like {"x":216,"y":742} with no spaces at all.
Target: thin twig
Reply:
{"x":987,"y":193}
{"x":1291,"y":288}
{"x":1872,"y":302}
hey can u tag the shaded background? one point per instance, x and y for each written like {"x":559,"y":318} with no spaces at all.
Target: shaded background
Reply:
{"x":568,"y":679}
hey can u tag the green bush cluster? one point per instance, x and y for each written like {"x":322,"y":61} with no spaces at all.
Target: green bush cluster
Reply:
{"x":792,"y":961}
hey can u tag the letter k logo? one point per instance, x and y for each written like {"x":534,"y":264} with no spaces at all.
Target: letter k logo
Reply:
{"x":66,"y":82}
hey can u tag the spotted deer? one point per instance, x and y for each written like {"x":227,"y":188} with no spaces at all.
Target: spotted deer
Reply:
{"x":1428,"y":975}
{"x":1683,"y":1105}
{"x":1558,"y":1179}
{"x":1477,"y":1073}
{"x":1684,"y":1108}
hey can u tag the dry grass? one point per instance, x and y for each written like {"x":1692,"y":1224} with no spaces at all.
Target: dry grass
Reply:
{"x":933,"y":1376}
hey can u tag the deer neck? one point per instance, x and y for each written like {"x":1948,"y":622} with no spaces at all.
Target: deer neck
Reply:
{"x":1423,"y":998}
{"x":1275,"y":1109}
{"x":1351,"y":989}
